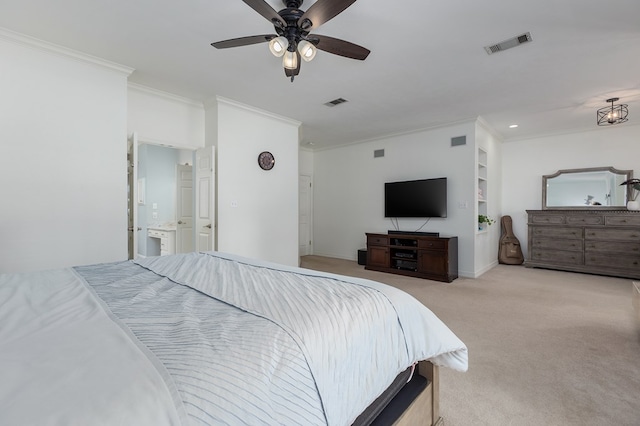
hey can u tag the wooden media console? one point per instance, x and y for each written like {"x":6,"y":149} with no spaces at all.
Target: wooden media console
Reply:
{"x":422,"y":256}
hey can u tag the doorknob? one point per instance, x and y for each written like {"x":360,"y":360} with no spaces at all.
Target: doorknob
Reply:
{"x":208,"y":226}
{"x":180,"y":222}
{"x":130,"y":229}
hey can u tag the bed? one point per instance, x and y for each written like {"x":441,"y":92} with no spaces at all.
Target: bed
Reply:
{"x":212,"y":338}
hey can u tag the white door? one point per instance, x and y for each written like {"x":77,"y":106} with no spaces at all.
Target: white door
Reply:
{"x":184,"y":209}
{"x":304,"y":214}
{"x":205,"y":199}
{"x":132,"y":195}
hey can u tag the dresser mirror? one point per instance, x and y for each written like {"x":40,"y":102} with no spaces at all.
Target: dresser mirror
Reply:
{"x":586,"y":189}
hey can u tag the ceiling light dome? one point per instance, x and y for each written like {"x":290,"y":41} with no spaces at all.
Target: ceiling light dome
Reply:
{"x":278,"y":46}
{"x":307,"y":50}
{"x":290,"y":60}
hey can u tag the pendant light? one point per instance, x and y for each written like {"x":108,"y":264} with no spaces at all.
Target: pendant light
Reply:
{"x":614,"y":114}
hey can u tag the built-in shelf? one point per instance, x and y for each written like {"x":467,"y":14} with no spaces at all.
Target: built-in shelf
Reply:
{"x":482,"y":196}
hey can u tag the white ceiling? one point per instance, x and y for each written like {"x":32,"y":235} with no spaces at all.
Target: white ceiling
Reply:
{"x":427,"y":66}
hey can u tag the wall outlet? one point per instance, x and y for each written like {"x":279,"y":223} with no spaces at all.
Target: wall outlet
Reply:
{"x":463,"y":205}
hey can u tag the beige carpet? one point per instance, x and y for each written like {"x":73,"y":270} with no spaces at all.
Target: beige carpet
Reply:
{"x":545,"y":347}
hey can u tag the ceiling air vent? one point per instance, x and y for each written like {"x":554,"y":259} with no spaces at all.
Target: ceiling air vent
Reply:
{"x":508,"y":44}
{"x":336,"y":102}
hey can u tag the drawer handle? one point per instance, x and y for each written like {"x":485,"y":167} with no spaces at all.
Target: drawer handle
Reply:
{"x":635,"y":249}
{"x":634,"y":236}
{"x":635,"y":263}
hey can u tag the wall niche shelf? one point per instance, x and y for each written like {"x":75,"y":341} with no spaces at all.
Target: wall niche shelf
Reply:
{"x":481,"y":195}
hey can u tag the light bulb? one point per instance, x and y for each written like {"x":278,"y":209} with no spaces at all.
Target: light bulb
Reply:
{"x":278,"y":46}
{"x":307,"y":50}
{"x":290,"y":60}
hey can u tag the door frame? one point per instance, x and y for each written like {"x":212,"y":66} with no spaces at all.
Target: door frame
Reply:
{"x":309,"y":246}
{"x":133,"y":144}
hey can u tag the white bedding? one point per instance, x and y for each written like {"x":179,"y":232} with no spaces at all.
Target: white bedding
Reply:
{"x":71,"y":360}
{"x":64,"y":361}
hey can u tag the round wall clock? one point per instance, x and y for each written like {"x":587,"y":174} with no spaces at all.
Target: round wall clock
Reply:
{"x":266,"y":160}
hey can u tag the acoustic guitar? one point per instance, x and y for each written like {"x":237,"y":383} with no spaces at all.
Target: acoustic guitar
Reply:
{"x":510,"y":252}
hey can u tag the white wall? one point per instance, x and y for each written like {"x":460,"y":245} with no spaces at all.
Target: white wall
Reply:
{"x":525,"y":162}
{"x":349,"y":189}
{"x":305,"y":162}
{"x":257,"y":209}
{"x":62,"y":158}
{"x":162,"y":118}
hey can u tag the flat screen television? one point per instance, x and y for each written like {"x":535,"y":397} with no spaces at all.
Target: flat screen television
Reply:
{"x":416,"y":198}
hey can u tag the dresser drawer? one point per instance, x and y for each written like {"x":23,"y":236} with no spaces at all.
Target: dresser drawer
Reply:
{"x":157,"y":234}
{"x":557,"y":219}
{"x":621,"y":247}
{"x":552,"y":243}
{"x":557,"y":257}
{"x":618,"y":234}
{"x":624,"y":262}
{"x":377,"y":240}
{"x":585,"y":220}
{"x":432,"y":244}
{"x":553,"y":232}
{"x":623,"y":220}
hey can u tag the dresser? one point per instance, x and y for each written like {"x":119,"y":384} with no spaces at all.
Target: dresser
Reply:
{"x":605,"y":242}
{"x":422,"y":256}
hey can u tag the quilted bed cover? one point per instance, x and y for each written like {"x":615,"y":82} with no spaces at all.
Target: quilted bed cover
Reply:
{"x":206,"y":338}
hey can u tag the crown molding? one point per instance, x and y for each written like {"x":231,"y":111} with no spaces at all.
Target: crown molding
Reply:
{"x":165,"y":95}
{"x":235,"y":104}
{"x":399,"y":134}
{"x":45,"y":46}
{"x":486,"y":126}
{"x":571,"y":132}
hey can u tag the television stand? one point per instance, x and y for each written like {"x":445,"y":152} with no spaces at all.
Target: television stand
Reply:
{"x":427,"y":234}
{"x":413,"y":254}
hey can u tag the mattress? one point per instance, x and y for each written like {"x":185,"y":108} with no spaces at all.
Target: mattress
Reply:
{"x":218,"y":338}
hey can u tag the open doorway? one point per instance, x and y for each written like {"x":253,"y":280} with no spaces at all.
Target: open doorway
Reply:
{"x":164,"y":203}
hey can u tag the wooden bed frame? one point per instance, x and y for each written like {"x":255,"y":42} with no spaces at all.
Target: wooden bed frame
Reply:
{"x":425,"y":409}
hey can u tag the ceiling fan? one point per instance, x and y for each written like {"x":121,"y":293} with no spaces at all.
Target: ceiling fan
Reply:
{"x":293,"y":40}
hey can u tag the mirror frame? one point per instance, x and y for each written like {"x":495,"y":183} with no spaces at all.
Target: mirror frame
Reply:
{"x":628,"y":175}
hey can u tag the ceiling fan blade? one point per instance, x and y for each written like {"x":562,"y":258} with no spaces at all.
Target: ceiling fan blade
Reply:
{"x":264,"y":9}
{"x":339,"y":47}
{"x":243,"y":41}
{"x":321,"y":11}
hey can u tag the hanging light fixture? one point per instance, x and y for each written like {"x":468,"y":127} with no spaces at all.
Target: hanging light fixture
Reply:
{"x":614,"y":114}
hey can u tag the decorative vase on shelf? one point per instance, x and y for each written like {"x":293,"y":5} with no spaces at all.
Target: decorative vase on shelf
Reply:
{"x":633,"y":205}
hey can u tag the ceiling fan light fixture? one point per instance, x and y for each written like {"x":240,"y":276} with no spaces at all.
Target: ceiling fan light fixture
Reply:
{"x":307,"y":50}
{"x":290,"y":60}
{"x":278,"y":46}
{"x":614,"y":114}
